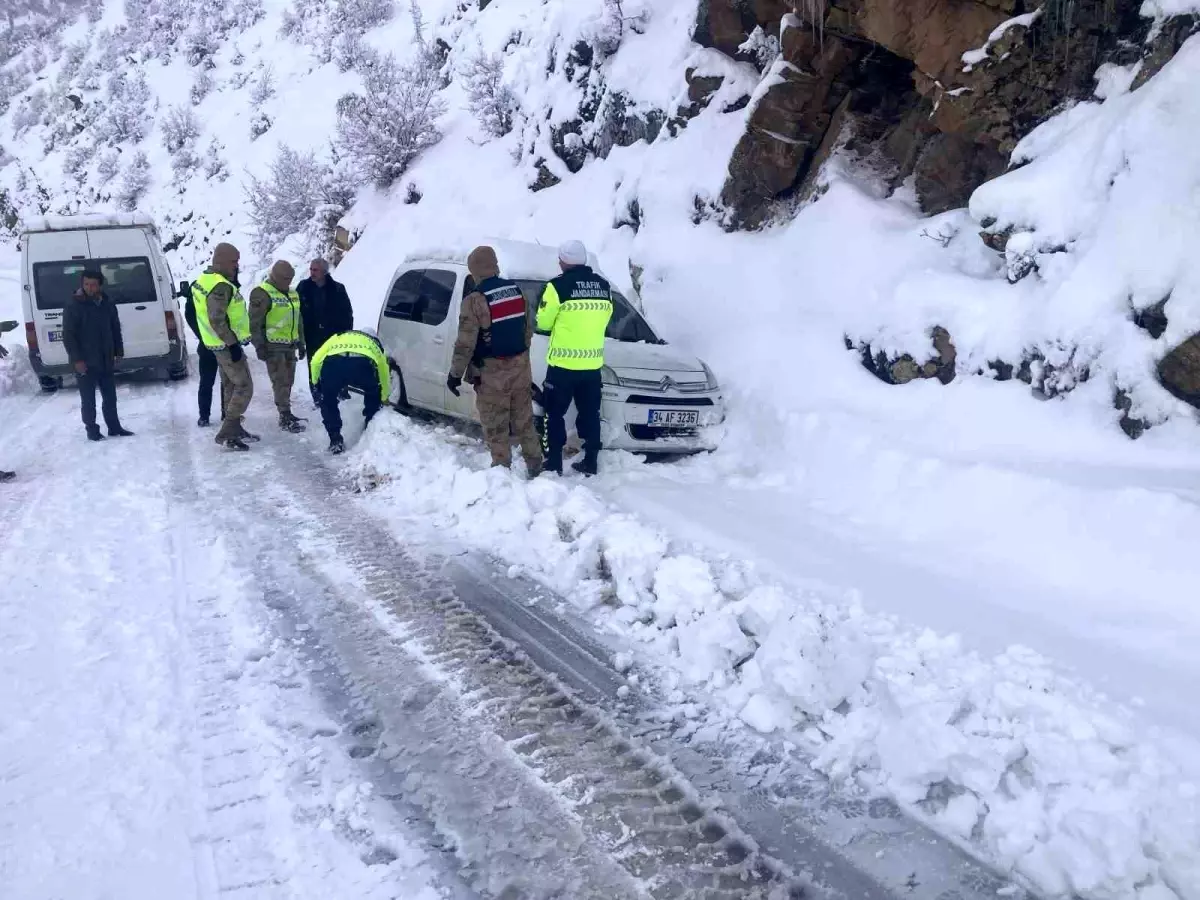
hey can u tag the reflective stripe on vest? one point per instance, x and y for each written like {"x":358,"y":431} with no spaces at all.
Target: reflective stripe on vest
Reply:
{"x":283,"y":316}
{"x":357,"y":344}
{"x":237,"y":314}
{"x":580,"y":302}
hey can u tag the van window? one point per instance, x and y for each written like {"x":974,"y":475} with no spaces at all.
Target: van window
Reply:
{"x":126,"y":280}
{"x":437,"y":290}
{"x":422,"y":295}
{"x":403,"y":296}
{"x":626,"y":324}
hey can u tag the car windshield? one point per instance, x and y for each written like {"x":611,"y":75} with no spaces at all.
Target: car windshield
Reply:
{"x":626,"y":324}
{"x":126,"y":280}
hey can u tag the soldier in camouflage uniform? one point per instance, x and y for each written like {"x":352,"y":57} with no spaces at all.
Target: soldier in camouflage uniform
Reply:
{"x":224,"y":326}
{"x":278,"y":337}
{"x":495,"y":328}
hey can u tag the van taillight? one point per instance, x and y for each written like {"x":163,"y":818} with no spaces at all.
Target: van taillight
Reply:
{"x":172,"y":329}
{"x":31,"y":337}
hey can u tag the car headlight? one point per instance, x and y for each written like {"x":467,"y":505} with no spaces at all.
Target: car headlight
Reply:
{"x":712,"y":384}
{"x":608,"y":376}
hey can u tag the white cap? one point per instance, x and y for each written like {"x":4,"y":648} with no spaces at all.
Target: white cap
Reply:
{"x":573,"y":253}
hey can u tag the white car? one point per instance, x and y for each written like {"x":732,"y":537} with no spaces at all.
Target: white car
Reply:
{"x":656,"y":399}
{"x":125,"y":247}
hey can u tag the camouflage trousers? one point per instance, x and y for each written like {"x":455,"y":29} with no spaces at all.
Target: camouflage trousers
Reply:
{"x":281,"y":366}
{"x":504,"y":399}
{"x":237,"y":388}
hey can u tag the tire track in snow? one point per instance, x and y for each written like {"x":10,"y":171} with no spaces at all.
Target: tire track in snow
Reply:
{"x":438,"y":676}
{"x":266,"y":773}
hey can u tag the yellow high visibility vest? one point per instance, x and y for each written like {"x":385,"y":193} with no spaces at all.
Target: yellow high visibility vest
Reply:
{"x":359,"y":344}
{"x":576,"y":322}
{"x":283,"y":318}
{"x":239,"y":316}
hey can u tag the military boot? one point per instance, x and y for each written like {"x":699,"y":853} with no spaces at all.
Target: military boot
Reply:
{"x":246,"y":436}
{"x":289,"y":422}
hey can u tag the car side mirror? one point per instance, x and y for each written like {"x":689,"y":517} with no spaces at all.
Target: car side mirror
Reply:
{"x":185,"y":288}
{"x":7,"y":325}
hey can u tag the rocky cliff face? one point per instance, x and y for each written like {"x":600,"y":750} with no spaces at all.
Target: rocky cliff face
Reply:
{"x":939,"y":90}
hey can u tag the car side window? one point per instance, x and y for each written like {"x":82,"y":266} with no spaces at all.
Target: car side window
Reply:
{"x":405,"y":294}
{"x":437,"y":290}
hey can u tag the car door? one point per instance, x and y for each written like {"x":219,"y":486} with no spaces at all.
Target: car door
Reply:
{"x":57,"y":260}
{"x":438,"y":297}
{"x":123,"y":256}
{"x":403,"y":338}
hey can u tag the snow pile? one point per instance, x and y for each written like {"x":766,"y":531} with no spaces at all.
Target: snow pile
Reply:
{"x":1099,"y":224}
{"x":1033,"y":770}
{"x":16,"y":375}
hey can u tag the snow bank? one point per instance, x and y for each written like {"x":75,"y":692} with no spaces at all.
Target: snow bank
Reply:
{"x":1033,"y":770}
{"x":1101,"y":218}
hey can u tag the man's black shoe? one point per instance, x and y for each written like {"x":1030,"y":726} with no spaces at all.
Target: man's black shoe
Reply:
{"x":585,"y":467}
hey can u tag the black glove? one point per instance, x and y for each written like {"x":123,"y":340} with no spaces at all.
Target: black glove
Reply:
{"x":537,"y":393}
{"x":235,"y":353}
{"x":452,"y":383}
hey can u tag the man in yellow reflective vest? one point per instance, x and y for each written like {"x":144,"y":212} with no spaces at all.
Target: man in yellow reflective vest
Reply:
{"x":575,"y":309}
{"x":224,"y":324}
{"x":352,"y":359}
{"x":278,"y":337}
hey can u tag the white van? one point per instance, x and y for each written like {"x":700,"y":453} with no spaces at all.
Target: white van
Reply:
{"x":656,"y":399}
{"x":125,"y":247}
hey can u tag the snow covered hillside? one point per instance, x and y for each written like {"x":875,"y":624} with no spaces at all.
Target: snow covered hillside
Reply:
{"x":973,"y":600}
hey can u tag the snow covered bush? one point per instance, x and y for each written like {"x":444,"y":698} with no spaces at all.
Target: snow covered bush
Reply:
{"x":393,"y":121}
{"x":78,"y":157}
{"x":30,"y":112}
{"x":200,"y":45}
{"x":109,"y":166}
{"x":493,"y":103}
{"x":264,"y":87}
{"x":763,"y":48}
{"x":179,"y":129}
{"x":135,"y":182}
{"x":214,"y":164}
{"x":201,"y":87}
{"x":362,"y":15}
{"x":283,"y":203}
{"x":351,"y":52}
{"x":238,"y":16}
{"x":260,"y":124}
{"x":126,"y":116}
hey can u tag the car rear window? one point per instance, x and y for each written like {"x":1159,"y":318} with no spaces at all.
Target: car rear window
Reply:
{"x":626,"y":324}
{"x":126,"y":280}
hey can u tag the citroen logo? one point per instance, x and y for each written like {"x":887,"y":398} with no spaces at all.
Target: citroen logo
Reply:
{"x":667,"y":383}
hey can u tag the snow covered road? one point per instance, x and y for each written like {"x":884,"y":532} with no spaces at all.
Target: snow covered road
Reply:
{"x":222,"y":678}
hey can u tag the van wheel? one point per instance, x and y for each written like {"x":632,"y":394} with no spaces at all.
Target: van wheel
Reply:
{"x":398,"y":394}
{"x":49,"y":385}
{"x":180,"y":374}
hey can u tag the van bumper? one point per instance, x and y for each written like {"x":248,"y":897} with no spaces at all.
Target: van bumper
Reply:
{"x":175,"y":358}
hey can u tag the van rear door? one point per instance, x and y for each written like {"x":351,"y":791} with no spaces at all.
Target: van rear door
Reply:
{"x":56,"y":260}
{"x":125,"y":257}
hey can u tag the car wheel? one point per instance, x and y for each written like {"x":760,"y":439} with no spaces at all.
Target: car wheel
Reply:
{"x":49,"y":385}
{"x":180,"y":374}
{"x":398,"y":394}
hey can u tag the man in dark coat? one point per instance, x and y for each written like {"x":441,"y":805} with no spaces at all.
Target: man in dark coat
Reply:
{"x":208,"y":368}
{"x":325,"y":310}
{"x":92,"y":337}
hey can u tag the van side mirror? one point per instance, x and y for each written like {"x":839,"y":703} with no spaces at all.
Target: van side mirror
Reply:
{"x":7,"y":325}
{"x":185,"y":290}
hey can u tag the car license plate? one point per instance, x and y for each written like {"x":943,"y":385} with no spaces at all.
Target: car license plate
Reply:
{"x":55,"y":335}
{"x":674,"y":418}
